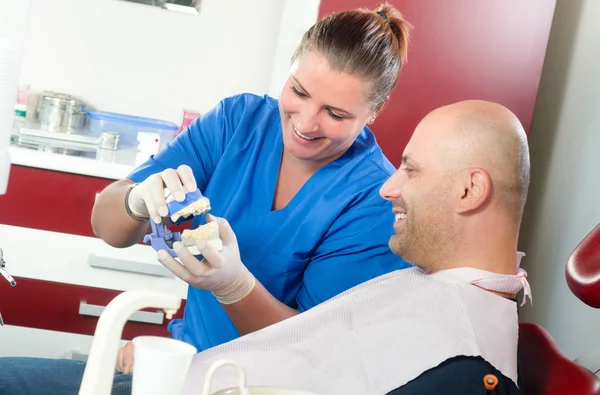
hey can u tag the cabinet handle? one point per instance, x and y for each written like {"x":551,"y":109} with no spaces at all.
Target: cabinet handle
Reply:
{"x":147,"y":317}
{"x":79,"y":356}
{"x":123,"y":265}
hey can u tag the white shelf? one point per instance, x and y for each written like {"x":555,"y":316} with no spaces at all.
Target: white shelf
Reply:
{"x":119,"y":165}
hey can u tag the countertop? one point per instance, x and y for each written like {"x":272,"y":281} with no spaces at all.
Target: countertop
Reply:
{"x":89,"y":166}
{"x":72,"y":157}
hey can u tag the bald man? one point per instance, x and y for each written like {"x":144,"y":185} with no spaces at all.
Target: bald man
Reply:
{"x":461,"y":189}
{"x":441,"y":327}
{"x":458,"y":198}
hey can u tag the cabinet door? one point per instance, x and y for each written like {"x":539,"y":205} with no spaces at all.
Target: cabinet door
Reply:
{"x":50,"y":200}
{"x":462,"y":49}
{"x":72,"y":308}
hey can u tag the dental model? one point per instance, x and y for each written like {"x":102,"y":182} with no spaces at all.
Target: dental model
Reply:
{"x":208,"y":232}
{"x":193,"y":204}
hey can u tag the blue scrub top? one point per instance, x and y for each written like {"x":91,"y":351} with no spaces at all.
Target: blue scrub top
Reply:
{"x":331,"y":236}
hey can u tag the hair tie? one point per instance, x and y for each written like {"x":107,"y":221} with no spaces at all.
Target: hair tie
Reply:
{"x":383,"y":15}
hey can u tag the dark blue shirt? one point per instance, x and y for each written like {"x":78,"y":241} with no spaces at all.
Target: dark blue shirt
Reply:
{"x":458,"y":376}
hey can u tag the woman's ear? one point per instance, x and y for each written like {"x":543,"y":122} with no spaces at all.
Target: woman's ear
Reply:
{"x":475,"y":189}
{"x":380,"y":107}
{"x":377,"y":110}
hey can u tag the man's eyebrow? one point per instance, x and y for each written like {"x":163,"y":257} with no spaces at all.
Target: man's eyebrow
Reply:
{"x":336,"y":109}
{"x":407,"y":158}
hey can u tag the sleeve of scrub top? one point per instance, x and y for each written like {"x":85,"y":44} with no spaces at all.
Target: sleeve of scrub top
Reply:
{"x":354,"y":250}
{"x":199,"y":146}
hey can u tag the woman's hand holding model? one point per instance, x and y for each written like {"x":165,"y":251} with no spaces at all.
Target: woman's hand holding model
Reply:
{"x":147,"y":199}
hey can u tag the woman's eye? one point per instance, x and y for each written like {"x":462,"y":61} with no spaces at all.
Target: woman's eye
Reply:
{"x":297,"y":92}
{"x":334,"y":115}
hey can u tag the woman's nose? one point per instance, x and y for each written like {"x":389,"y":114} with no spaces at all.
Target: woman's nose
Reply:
{"x":307,"y":122}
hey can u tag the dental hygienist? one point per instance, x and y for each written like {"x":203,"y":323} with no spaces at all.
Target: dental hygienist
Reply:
{"x":297,"y":178}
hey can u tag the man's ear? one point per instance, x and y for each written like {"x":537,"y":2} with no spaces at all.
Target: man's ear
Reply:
{"x":475,"y":189}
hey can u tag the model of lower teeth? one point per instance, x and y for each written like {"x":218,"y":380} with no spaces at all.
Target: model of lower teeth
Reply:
{"x":208,"y":232}
{"x":194,"y":204}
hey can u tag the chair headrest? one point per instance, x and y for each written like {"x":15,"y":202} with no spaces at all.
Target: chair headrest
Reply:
{"x":583,"y":269}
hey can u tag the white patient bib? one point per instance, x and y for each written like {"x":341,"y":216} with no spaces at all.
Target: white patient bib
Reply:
{"x":376,"y":337}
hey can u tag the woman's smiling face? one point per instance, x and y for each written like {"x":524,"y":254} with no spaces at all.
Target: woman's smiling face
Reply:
{"x":322,"y":110}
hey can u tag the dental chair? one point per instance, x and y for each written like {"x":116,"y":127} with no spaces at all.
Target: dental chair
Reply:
{"x":545,"y":369}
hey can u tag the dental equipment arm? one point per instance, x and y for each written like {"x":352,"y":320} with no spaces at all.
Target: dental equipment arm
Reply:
{"x":4,"y":159}
{"x":13,"y":22}
{"x":99,"y":371}
{"x":5,"y":128}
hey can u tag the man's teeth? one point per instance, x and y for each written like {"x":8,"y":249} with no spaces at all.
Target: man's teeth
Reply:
{"x":400,"y":216}
{"x":303,"y":136}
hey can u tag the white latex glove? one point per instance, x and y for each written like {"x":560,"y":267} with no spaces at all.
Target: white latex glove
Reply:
{"x":147,"y":199}
{"x":221,"y":272}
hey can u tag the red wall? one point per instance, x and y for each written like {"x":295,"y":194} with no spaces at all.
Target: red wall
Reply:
{"x":462,"y":49}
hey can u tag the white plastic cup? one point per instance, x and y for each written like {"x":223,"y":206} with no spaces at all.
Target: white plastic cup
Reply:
{"x":160,"y":365}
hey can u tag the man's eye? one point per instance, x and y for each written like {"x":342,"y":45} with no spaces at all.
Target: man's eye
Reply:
{"x":408,"y":170}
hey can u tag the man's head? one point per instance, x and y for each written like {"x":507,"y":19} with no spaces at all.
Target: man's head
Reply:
{"x":461,"y":188}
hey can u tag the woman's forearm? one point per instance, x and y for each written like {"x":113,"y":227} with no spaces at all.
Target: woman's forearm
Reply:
{"x":110,"y":220}
{"x":258,"y":310}
{"x":112,"y":224}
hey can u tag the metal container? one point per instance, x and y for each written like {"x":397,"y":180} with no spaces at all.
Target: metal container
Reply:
{"x":109,"y":141}
{"x":58,"y":112}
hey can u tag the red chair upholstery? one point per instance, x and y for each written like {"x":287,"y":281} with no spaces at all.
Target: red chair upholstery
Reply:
{"x":545,"y":369}
{"x":583,"y":269}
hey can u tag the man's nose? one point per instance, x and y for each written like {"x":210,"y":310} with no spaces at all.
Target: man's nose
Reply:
{"x":392,"y":188}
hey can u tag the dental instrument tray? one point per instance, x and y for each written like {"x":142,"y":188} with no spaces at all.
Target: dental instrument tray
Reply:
{"x":161,"y":237}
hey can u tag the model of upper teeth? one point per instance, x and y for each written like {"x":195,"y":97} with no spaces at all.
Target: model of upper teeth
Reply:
{"x":198,"y":207}
{"x":208,"y":232}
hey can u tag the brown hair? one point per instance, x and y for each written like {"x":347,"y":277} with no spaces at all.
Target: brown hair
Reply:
{"x":371,"y":44}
